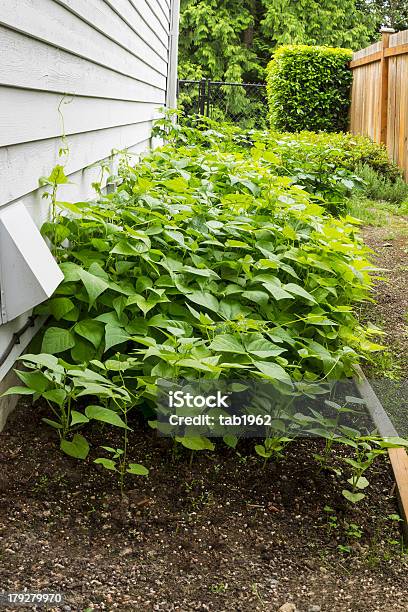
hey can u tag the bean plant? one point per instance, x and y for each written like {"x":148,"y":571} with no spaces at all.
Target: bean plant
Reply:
{"x":216,"y":256}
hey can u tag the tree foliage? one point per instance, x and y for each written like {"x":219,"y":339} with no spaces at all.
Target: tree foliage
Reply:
{"x":234,"y":39}
{"x":391,"y":13}
{"x":212,"y":39}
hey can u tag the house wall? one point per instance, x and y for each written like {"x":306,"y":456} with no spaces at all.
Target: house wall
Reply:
{"x":96,"y":70}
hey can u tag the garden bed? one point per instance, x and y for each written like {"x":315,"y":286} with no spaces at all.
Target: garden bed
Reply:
{"x":214,"y":257}
{"x":221,"y":535}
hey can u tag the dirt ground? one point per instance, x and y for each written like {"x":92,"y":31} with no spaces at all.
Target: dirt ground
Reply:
{"x":225,"y":535}
{"x":391,"y":295}
{"x":389,"y":373}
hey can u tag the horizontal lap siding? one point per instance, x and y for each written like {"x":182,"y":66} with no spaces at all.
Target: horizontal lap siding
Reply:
{"x":139,"y":18}
{"x":105,"y":69}
{"x":23,"y":164}
{"x":114,"y":26}
{"x":81,"y":114}
{"x":36,"y":65}
{"x":66,"y":31}
{"x":104,"y":63}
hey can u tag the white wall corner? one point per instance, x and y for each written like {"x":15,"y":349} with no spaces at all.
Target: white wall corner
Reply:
{"x":171,"y":97}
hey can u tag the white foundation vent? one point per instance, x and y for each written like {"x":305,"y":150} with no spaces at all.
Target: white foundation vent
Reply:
{"x":28,"y":272}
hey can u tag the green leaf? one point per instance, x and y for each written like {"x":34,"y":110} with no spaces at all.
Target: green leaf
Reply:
{"x":237,"y":244}
{"x":204,"y":299}
{"x":259,"y":297}
{"x":230,"y":440}
{"x":56,"y":233}
{"x":395,"y":517}
{"x":52,"y":423}
{"x":18,"y":391}
{"x":115,"y":365}
{"x":48,"y":361}
{"x":83,"y":351}
{"x":110,"y":449}
{"x":78,"y":417}
{"x":232,"y":310}
{"x":128,"y":248}
{"x":178,"y":185}
{"x":394,"y":442}
{"x":137,"y":469}
{"x":144,"y":304}
{"x":94,"y":286}
{"x":114,"y":335}
{"x":34,"y":380}
{"x":226,"y":343}
{"x":91,"y":330}
{"x":177,"y":237}
{"x":262,"y":452}
{"x":297,"y":290}
{"x":57,"y":340}
{"x":60,"y":307}
{"x":56,"y":396}
{"x":71,"y":271}
{"x":206,"y":272}
{"x":355,"y":464}
{"x":277,"y":292}
{"x":57,"y":175}
{"x":361,"y":483}
{"x":354,"y":498}
{"x":208,"y":364}
{"x":263,"y":348}
{"x":109,"y":464}
{"x":196,"y":443}
{"x":98,"y":413}
{"x":95,"y":389}
{"x":78,"y":448}
{"x":273,"y":371}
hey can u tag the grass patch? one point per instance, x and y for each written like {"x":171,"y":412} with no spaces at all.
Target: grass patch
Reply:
{"x":379,"y":213}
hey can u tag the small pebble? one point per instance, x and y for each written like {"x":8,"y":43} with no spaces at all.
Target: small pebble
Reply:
{"x":287,"y":607}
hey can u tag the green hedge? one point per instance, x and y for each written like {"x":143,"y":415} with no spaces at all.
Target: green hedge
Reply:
{"x":309,"y":88}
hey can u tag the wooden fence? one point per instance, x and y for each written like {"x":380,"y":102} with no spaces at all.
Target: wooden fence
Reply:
{"x":379,"y":105}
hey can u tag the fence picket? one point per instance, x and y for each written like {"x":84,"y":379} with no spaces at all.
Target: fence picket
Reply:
{"x":379,"y":103}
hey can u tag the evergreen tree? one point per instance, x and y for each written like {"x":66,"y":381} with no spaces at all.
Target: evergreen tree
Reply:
{"x":233,"y":40}
{"x":391,"y":13}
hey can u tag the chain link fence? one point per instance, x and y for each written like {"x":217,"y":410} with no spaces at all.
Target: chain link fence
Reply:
{"x":244,"y":104}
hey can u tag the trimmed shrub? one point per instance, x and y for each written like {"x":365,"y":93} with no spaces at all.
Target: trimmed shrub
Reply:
{"x":309,"y":88}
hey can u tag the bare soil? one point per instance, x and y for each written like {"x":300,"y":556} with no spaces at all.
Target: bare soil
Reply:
{"x":224,"y":535}
{"x":390,"y":309}
{"x":389,"y":372}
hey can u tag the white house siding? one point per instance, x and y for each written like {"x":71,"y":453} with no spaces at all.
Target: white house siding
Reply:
{"x":105,"y":64}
